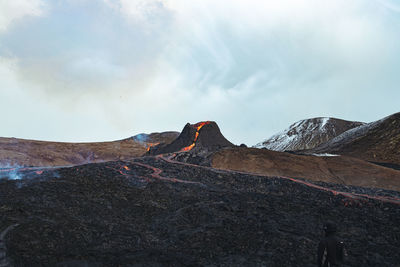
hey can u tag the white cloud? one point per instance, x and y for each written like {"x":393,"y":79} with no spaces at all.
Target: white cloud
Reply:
{"x":154,"y":65}
{"x":139,"y":11}
{"x":390,"y":4}
{"x":11,"y":10}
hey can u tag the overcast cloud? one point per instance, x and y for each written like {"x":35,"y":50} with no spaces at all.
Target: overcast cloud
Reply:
{"x":92,"y":70}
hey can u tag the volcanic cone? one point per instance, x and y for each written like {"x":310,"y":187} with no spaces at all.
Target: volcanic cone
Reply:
{"x":204,"y":135}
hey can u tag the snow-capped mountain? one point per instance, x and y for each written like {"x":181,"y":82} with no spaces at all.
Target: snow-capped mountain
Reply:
{"x":307,"y":134}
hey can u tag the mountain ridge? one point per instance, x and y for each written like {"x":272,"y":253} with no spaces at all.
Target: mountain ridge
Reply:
{"x":307,"y":134}
{"x":377,"y":141}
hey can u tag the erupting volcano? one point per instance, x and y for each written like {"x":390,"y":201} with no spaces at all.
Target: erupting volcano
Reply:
{"x":202,"y":135}
{"x":200,"y":201}
{"x":198,"y":126}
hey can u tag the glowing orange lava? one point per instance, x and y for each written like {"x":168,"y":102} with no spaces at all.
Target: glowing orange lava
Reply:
{"x":201,"y":124}
{"x":198,"y":126}
{"x":188,"y":147}
{"x":126,"y":168}
{"x":149,"y":145}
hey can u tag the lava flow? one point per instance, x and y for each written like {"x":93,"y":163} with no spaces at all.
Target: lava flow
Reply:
{"x":351,"y":196}
{"x":198,"y":126}
{"x":149,"y":145}
{"x":156,"y":175}
{"x":122,"y":169}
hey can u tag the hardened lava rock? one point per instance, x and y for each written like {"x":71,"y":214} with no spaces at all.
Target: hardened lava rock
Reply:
{"x":153,"y":211}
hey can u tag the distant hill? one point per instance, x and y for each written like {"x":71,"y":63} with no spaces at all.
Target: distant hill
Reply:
{"x":22,"y":152}
{"x":307,"y":134}
{"x":377,"y":141}
{"x":337,"y":169}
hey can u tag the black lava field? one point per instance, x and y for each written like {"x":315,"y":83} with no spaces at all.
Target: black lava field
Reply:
{"x":153,"y":211}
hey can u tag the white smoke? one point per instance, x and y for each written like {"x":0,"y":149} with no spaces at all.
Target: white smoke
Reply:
{"x":10,"y":171}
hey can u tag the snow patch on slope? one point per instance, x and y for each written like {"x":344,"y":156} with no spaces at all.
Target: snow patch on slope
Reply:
{"x":325,"y":155}
{"x":324,"y":121}
{"x":296,"y":133}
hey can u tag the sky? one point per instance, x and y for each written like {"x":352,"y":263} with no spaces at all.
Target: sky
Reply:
{"x":99,"y":70}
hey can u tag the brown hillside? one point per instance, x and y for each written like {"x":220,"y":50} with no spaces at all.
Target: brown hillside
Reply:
{"x":378,"y":141}
{"x":342,"y":170}
{"x":23,"y":152}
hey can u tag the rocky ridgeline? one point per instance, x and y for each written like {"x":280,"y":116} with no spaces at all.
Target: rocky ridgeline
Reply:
{"x":154,"y":212}
{"x":307,"y":134}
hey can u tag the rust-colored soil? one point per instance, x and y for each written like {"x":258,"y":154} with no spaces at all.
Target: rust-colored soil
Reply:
{"x":343,"y":170}
{"x":39,"y":153}
{"x":23,"y":152}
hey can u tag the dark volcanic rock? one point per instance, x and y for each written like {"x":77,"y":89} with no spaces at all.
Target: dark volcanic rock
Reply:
{"x":199,"y":136}
{"x":131,"y":214}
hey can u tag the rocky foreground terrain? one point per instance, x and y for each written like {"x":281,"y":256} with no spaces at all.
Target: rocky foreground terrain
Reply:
{"x":152,"y":211}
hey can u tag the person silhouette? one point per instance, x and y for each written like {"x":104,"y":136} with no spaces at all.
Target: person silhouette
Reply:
{"x":331,"y":251}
